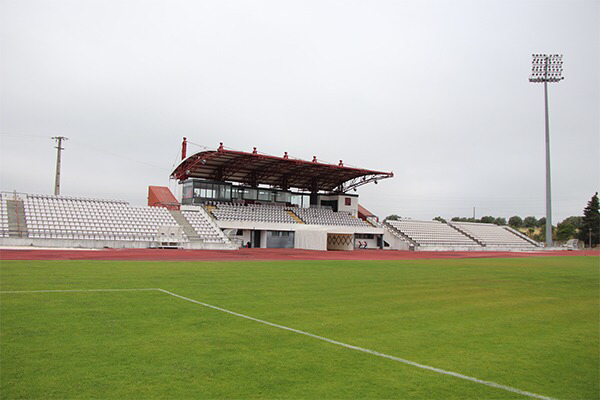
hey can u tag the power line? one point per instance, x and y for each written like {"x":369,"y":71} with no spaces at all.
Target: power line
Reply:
{"x":24,"y":134}
{"x":118,"y":155}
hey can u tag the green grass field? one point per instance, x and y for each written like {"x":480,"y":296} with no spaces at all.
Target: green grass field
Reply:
{"x":527,"y":323}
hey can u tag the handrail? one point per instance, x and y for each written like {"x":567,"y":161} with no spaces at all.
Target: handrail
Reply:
{"x":17,"y":214}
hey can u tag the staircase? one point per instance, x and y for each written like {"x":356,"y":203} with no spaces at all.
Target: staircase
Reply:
{"x":191,"y":233}
{"x":17,"y":224}
{"x":188,"y":230}
{"x":209,"y":209}
{"x":523,"y":236}
{"x":467,"y":234}
{"x":296,"y":218}
{"x":370,"y":223}
{"x":400,"y":235}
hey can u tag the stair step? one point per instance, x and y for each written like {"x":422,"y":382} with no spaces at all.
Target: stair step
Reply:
{"x":17,"y":223}
{"x":188,"y":229}
{"x":296,"y":218}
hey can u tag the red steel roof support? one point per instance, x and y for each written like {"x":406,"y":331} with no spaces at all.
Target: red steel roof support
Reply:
{"x":278,"y":172}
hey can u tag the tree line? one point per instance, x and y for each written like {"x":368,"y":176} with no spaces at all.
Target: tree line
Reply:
{"x":575,"y":227}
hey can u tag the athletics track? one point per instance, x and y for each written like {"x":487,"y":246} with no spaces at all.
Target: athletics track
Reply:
{"x":264,"y":254}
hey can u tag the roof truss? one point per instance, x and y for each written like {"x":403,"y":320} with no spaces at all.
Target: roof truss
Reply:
{"x":255,"y":169}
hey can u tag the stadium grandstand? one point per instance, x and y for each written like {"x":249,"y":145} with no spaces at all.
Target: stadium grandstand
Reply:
{"x":493,"y":236}
{"x":231,"y":199}
{"x":456,"y":236}
{"x":279,"y":202}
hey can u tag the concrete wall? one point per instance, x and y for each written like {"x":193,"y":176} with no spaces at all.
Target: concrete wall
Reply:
{"x":341,"y":202}
{"x":263,"y":239}
{"x":371,"y":243}
{"x":395,"y":242}
{"x":100,"y":244}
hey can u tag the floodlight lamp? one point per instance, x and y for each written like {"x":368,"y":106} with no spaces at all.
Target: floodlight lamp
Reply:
{"x":546,"y":68}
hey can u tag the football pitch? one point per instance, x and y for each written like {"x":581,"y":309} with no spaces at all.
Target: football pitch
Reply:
{"x":423,"y":329}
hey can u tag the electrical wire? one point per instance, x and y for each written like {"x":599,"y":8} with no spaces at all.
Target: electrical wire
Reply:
{"x":77,"y":143}
{"x":198,"y":145}
{"x":176,"y":158}
{"x":24,"y":134}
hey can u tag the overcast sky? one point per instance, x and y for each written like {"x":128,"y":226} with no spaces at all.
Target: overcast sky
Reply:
{"x":435,"y":91}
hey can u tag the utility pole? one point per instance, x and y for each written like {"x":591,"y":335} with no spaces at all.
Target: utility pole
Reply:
{"x":547,"y":68}
{"x":59,"y":139}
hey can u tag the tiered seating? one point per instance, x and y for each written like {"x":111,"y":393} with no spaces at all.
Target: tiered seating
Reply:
{"x":59,"y":217}
{"x":431,"y":233}
{"x":252,"y":212}
{"x":203,"y":227}
{"x":3,"y":217}
{"x":280,"y":214}
{"x":326,"y":216}
{"x":492,"y":235}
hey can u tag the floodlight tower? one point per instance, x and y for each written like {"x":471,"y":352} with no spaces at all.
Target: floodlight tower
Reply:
{"x":547,"y":68}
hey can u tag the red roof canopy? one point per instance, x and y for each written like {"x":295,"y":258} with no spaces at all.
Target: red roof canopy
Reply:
{"x":255,"y":169}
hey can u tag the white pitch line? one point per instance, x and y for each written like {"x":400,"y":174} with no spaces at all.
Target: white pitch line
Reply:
{"x":76,"y":290}
{"x":332,"y":341}
{"x":375,"y":353}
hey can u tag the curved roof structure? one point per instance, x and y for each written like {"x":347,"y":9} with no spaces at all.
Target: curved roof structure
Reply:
{"x":255,"y":169}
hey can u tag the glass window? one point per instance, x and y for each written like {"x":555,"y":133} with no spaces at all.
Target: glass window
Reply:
{"x":188,"y":191}
{"x":305,"y":201}
{"x":224,"y":192}
{"x":249,"y":194}
{"x":296,"y":199}
{"x":210,"y":191}
{"x":283,"y":197}
{"x":300,"y":200}
{"x":206,"y":191}
{"x":265,"y":195}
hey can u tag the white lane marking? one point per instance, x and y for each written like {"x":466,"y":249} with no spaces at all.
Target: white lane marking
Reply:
{"x":375,"y":353}
{"x":332,"y":341}
{"x":76,"y":290}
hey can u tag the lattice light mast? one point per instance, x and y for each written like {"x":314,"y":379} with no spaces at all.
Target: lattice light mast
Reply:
{"x":547,"y":68}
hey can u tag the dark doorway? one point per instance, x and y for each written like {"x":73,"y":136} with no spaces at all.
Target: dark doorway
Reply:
{"x":330,"y":203}
{"x":256,"y":239}
{"x":280,"y":240}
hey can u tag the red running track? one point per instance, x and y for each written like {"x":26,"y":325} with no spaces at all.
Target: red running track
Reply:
{"x":264,"y":254}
